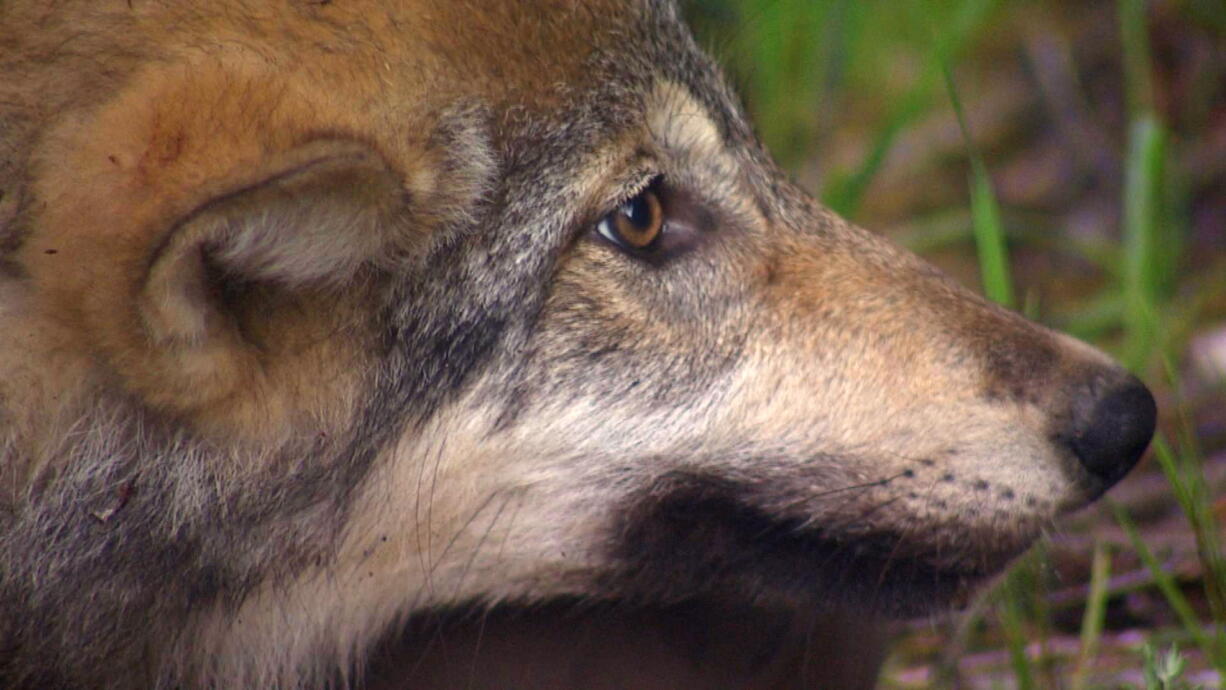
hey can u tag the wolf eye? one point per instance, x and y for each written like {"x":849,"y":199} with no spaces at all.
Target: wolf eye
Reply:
{"x":637,"y":224}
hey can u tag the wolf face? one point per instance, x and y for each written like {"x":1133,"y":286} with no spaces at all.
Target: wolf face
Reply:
{"x":318,"y":316}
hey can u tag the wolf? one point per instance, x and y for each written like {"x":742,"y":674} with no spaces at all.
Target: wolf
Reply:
{"x":411,"y":344}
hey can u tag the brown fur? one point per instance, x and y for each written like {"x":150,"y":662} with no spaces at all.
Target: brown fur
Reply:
{"x":314,"y":372}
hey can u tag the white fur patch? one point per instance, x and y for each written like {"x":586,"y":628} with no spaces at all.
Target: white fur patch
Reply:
{"x":678,"y":121}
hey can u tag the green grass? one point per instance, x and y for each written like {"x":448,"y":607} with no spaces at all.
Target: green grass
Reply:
{"x":1013,"y":619}
{"x":845,"y":192}
{"x":985,"y":212}
{"x":1143,"y":238}
{"x":1164,"y":671}
{"x":1092,"y":620}
{"x":1152,"y":239}
{"x":1166,"y":582}
{"x":1185,"y":474}
{"x":817,"y":72}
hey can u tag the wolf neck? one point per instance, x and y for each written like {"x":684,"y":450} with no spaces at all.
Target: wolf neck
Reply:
{"x":120,"y":576}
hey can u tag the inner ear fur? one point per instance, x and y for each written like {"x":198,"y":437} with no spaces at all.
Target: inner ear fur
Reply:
{"x":297,"y":240}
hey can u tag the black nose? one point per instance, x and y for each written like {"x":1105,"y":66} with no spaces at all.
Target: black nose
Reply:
{"x":1109,"y":431}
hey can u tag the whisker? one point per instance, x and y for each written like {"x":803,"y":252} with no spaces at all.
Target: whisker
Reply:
{"x":455,"y":537}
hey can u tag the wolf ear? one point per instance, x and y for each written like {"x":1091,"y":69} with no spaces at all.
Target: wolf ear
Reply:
{"x":245,"y":273}
{"x":317,"y":219}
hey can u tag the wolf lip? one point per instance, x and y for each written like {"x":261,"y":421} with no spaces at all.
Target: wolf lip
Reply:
{"x":704,"y":537}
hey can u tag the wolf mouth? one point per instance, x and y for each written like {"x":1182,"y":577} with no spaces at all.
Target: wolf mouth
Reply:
{"x":706,"y":537}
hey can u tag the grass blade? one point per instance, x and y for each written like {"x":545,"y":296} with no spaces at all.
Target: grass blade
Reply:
{"x":1166,"y":583}
{"x":1138,"y":78}
{"x":1143,"y":274}
{"x":1013,"y":621}
{"x":844,"y":193}
{"x":1096,"y":611}
{"x":985,"y":213}
{"x":990,"y":238}
{"x":1191,"y":491}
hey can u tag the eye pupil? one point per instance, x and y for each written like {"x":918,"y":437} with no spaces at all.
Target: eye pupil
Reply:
{"x":637,"y":224}
{"x":638,"y":212}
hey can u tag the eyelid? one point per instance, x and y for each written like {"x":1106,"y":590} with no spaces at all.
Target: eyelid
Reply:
{"x":642,"y":182}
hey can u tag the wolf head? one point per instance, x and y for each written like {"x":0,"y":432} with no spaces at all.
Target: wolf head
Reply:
{"x":316,"y":315}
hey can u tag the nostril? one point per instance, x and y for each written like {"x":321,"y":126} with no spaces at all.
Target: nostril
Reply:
{"x":1113,"y":432}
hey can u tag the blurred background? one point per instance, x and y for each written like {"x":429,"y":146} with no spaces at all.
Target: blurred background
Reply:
{"x":1067,"y":158}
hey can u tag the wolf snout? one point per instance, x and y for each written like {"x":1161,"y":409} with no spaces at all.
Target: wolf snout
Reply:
{"x":1109,"y":428}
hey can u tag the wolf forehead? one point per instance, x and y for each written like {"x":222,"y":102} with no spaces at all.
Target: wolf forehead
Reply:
{"x":389,"y":65}
{"x":494,"y":99}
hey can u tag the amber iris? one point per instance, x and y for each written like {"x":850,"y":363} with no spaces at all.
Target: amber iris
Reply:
{"x":637,"y":224}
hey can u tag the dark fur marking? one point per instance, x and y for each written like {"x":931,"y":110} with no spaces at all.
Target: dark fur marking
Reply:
{"x":1018,"y":362}
{"x":693,"y":536}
